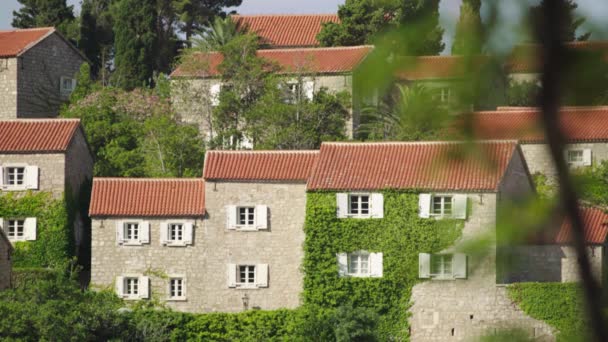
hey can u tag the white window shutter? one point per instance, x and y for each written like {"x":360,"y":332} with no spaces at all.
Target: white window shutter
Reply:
{"x":587,"y":157}
{"x":424,"y":265}
{"x":459,"y":266}
{"x":1,"y":176}
{"x":188,"y":233}
{"x":2,"y":224}
{"x":261,"y":275}
{"x":231,"y":273}
{"x":120,"y":286}
{"x":31,"y":177}
{"x":144,"y":287}
{"x":261,"y":217}
{"x":342,"y":264}
{"x":231,"y":217}
{"x":342,"y":202}
{"x":424,"y":205}
{"x":144,"y":234}
{"x":73,"y":84}
{"x":164,"y":233}
{"x":120,"y":232}
{"x":376,"y":265}
{"x":309,"y":89}
{"x":377,"y":205}
{"x":460,"y":206}
{"x":30,"y":228}
{"x":214,"y":94}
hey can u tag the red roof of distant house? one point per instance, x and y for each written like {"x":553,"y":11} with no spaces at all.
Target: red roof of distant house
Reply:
{"x":579,"y":124}
{"x":526,"y":57}
{"x":286,"y":30}
{"x":412,"y":165}
{"x":259,"y":165}
{"x":437,"y":67}
{"x":596,"y":227}
{"x":128,"y":197}
{"x":37,"y":135}
{"x":15,"y":42}
{"x":304,"y":60}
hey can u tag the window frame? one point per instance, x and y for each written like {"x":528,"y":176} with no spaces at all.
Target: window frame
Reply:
{"x":442,"y":260}
{"x":66,"y":91}
{"x":172,"y":224}
{"x":8,"y":229}
{"x":182,"y":285}
{"x":127,"y":288}
{"x":359,"y":255}
{"x":442,"y":214}
{"x":249,"y":269}
{"x":569,"y":152}
{"x":359,"y":213}
{"x":5,"y":176}
{"x":125,"y":230}
{"x":246,"y":226}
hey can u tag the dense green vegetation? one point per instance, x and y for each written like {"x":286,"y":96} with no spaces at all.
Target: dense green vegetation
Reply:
{"x":558,"y":304}
{"x":400,"y":236}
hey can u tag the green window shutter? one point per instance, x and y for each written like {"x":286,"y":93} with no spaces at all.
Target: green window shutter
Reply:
{"x":459,"y":266}
{"x":424,"y":265}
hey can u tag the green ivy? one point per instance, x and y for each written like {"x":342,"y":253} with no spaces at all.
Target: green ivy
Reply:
{"x":401,"y":235}
{"x":558,"y":304}
{"x":54,"y":240}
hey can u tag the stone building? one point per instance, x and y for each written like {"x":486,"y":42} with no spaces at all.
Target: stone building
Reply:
{"x":6,"y":265}
{"x":43,"y":155}
{"x":584,"y":129}
{"x":196,"y":86}
{"x":38,"y":69}
{"x":285,"y":30}
{"x":460,"y":298}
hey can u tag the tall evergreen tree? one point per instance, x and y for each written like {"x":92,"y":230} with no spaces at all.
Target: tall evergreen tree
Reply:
{"x":97,"y":35}
{"x":136,"y":42}
{"x":420,"y":20}
{"x":42,"y":13}
{"x":468,"y":38}
{"x":569,"y":18}
{"x":194,"y":15}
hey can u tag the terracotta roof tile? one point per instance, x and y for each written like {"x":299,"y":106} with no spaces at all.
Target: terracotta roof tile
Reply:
{"x":579,"y":124}
{"x":37,"y":135}
{"x":259,"y":165}
{"x":128,"y":197}
{"x":434,"y":67}
{"x":596,"y":227}
{"x":286,"y":30}
{"x":304,"y":60}
{"x":412,"y":165}
{"x":526,"y":58}
{"x":14,"y":42}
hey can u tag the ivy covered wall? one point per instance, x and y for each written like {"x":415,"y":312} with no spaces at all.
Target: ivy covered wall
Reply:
{"x":54,"y":239}
{"x":400,"y":236}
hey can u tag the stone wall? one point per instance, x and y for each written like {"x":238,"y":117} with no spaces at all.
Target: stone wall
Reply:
{"x":40,"y":71}
{"x":51,"y":169}
{"x":78,"y":163}
{"x":6,"y":265}
{"x":204,"y":264}
{"x":539,"y":159}
{"x":551,"y":263}
{"x":8,"y":88}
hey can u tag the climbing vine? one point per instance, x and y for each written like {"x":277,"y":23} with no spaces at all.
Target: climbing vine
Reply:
{"x":401,"y":235}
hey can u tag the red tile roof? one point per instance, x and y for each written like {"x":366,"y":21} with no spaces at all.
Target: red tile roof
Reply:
{"x":15,"y":42}
{"x":259,"y":165}
{"x":412,"y":165}
{"x":596,"y":227}
{"x":579,"y":124}
{"x":306,"y":60}
{"x":286,"y":30}
{"x":436,"y":67}
{"x":37,"y":135}
{"x":526,"y":58}
{"x":128,"y":197}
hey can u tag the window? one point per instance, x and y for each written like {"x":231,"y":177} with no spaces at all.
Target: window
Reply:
{"x":575,"y":156}
{"x":358,"y":264}
{"x":131,"y":231}
{"x":246,"y":275}
{"x":442,"y":206}
{"x":16,"y":229}
{"x":443,"y":95}
{"x":131,"y":287}
{"x":441,"y":265}
{"x":176,"y":232}
{"x":67,"y":85}
{"x":176,"y":288}
{"x":293,"y":92}
{"x":246,"y":216}
{"x":358,"y":205}
{"x":14,"y":176}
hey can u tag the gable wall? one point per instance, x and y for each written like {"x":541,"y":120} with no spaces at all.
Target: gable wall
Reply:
{"x":51,"y":169}
{"x":8,"y":88}
{"x":539,"y":159}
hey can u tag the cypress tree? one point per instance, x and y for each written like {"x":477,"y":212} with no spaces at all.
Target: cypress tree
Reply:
{"x":96,"y":34}
{"x":420,"y":20}
{"x":468,"y":36}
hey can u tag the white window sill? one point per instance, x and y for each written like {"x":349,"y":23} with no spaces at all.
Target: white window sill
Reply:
{"x":131,"y":243}
{"x":126,"y":297}
{"x":359,"y":275}
{"x":442,"y":278}
{"x":358,"y":216}
{"x":16,"y":240}
{"x":176,"y":299}
{"x":247,"y":286}
{"x":14,"y":188}
{"x":175,"y":244}
{"x":246,"y":228}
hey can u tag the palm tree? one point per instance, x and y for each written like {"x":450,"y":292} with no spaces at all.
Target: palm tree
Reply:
{"x":217,"y":35}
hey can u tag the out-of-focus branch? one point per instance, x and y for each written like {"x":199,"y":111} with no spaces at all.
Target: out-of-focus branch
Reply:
{"x":553,"y":63}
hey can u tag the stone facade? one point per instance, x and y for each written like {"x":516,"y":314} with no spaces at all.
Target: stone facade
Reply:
{"x":191,"y":98}
{"x":539,"y":159}
{"x":462,"y":309}
{"x":6,"y":265}
{"x":204,"y":263}
{"x":30,"y":83}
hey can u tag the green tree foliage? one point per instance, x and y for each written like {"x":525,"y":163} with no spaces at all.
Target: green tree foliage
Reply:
{"x":468,"y":37}
{"x":42,"y":13}
{"x":97,"y":35}
{"x":420,"y":20}
{"x":524,"y":93}
{"x":216,"y":36}
{"x":410,"y":113}
{"x":136,"y":42}
{"x":195,"y":15}
{"x":570,"y":21}
{"x":593,"y":184}
{"x":360,"y":20}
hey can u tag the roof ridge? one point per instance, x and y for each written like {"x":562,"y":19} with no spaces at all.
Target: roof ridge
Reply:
{"x":28,"y":29}
{"x":285,"y":15}
{"x":262,"y":151}
{"x":134,"y":179}
{"x":320,"y":48}
{"x":28,"y":120}
{"x":430,"y":142}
